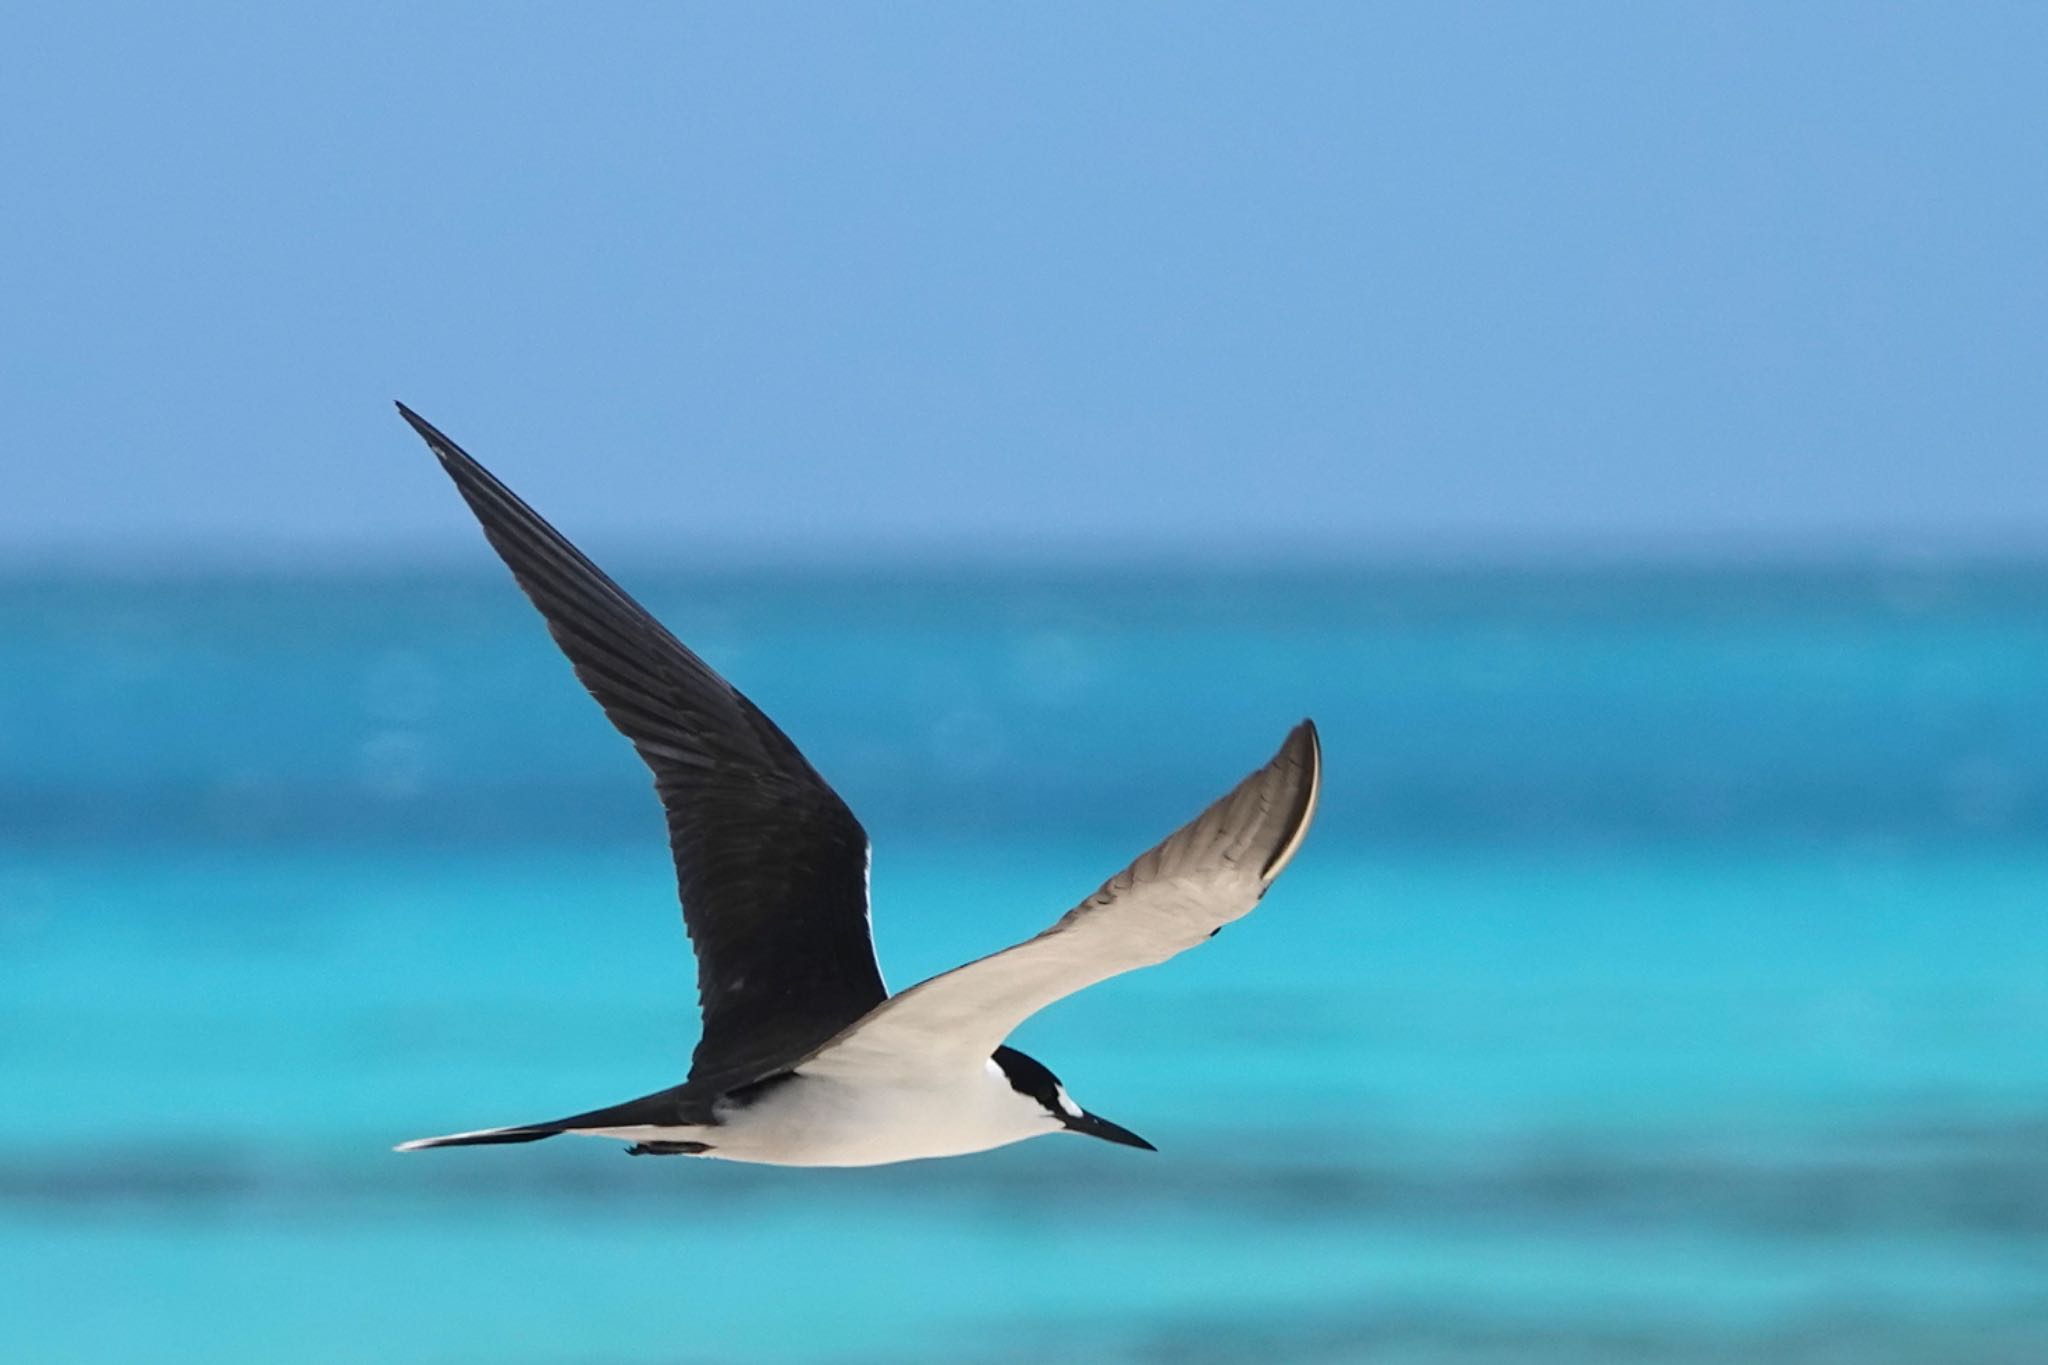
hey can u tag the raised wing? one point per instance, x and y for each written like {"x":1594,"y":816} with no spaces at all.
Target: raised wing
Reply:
{"x":1211,"y":871}
{"x":771,"y":864}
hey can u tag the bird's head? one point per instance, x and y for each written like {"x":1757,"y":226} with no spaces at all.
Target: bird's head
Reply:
{"x":1035,"y":1083}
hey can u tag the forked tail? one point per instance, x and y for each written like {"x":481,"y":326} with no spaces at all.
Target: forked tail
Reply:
{"x":661,"y":1109}
{"x":483,"y":1137}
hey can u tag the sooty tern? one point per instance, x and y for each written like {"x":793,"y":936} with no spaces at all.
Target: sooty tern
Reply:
{"x":805,"y":1058}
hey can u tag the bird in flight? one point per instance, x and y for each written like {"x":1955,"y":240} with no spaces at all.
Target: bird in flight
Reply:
{"x":805,"y":1058}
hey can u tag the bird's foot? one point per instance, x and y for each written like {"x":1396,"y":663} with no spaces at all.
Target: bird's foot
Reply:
{"x":668,"y":1149}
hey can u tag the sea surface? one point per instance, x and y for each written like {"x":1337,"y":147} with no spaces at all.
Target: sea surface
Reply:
{"x":1665,"y":979}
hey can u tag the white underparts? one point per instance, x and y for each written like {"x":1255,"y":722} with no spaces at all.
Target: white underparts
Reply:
{"x":813,"y":1120}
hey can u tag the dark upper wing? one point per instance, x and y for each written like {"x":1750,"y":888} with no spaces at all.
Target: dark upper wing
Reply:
{"x":771,"y":864}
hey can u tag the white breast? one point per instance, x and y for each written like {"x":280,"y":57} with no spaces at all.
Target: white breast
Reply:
{"x":834,"y":1120}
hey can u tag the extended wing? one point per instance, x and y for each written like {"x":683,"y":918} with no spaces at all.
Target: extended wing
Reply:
{"x":1211,"y":871}
{"x":771,"y":865}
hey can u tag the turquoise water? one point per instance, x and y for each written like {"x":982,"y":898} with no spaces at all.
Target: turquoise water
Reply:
{"x":1665,"y":979}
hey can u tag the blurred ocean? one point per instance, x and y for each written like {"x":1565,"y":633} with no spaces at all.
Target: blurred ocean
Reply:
{"x":1665,"y":980}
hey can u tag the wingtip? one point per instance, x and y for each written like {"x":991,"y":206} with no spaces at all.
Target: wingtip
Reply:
{"x":1302,"y":749}
{"x":1303,"y":745}
{"x":426,"y":429}
{"x":453,"y":457}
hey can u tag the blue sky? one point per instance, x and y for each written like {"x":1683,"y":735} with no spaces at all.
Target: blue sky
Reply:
{"x":891,"y":278}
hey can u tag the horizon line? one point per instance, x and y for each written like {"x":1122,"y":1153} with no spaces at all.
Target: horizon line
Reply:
{"x":1448,"y":552}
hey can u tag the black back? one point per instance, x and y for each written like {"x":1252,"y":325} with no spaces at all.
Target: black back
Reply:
{"x":771,"y":864}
